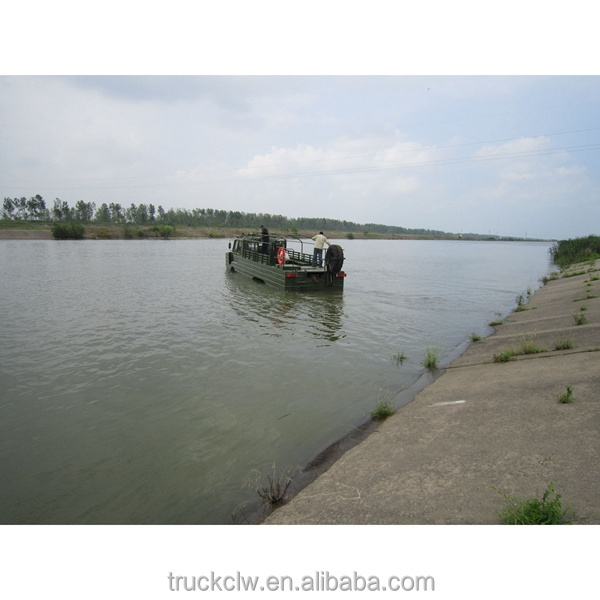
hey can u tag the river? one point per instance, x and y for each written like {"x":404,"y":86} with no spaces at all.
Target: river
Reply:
{"x":142,"y":382}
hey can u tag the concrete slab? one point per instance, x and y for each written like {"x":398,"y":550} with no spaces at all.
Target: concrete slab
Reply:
{"x":483,"y":426}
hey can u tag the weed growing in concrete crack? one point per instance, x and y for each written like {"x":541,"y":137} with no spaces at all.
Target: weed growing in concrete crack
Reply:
{"x":546,"y":278}
{"x":526,"y":346}
{"x":567,"y":397}
{"x":563,"y":344}
{"x":579,"y":318}
{"x":588,"y":297}
{"x":504,"y":356}
{"x":547,"y":510}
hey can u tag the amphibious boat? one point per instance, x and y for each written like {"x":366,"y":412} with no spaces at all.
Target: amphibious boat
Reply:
{"x":286,"y":262}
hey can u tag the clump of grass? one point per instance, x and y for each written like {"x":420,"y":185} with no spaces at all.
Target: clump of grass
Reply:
{"x":573,"y":274}
{"x":547,"y":510}
{"x":567,"y":397}
{"x":499,"y":321}
{"x":430,"y":360}
{"x":527,"y":346}
{"x":563,"y":344}
{"x":383,"y":410}
{"x":546,"y":278}
{"x":271,"y":487}
{"x":579,"y":318}
{"x":520,"y":304}
{"x":399,"y":357}
{"x":520,"y":300}
{"x":504,"y":356}
{"x":475,"y":337}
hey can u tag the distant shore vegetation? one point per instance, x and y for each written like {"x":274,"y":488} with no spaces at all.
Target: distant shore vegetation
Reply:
{"x":145,"y":220}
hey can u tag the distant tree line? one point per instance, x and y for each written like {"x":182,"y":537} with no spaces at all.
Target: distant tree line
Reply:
{"x":35,"y":209}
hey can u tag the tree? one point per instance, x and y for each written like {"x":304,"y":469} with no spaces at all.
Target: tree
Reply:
{"x":84,"y":211}
{"x":21,"y":207}
{"x":56,"y":211}
{"x":141,"y":214}
{"x":36,"y":208}
{"x":116,"y":212}
{"x":8,"y":208}
{"x":67,"y":211}
{"x":130,"y":213}
{"x":103,"y":214}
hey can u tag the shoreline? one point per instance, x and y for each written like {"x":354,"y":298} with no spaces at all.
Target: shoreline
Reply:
{"x":480,"y":428}
{"x":115,"y":232}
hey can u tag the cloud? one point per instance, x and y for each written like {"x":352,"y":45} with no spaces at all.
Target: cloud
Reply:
{"x":426,"y":152}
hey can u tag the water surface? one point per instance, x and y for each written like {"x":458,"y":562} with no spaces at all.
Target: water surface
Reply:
{"x":141,"y":382}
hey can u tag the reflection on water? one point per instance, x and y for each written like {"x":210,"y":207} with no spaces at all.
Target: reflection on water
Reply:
{"x":142,"y":382}
{"x":318,"y":314}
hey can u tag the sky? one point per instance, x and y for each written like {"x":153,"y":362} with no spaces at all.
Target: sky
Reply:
{"x":503,"y":153}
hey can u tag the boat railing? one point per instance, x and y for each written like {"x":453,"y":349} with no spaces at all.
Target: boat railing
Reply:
{"x":252,"y":249}
{"x":255,"y":255}
{"x":298,"y":256}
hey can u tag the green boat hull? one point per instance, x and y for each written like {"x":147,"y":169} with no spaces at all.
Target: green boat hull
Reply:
{"x":294,"y":274}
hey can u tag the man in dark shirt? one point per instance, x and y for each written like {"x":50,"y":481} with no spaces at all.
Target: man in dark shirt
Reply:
{"x":265,"y":239}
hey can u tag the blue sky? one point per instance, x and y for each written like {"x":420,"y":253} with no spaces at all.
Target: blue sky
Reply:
{"x":502,"y":153}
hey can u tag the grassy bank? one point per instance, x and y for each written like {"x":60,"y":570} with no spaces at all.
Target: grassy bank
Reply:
{"x":578,"y":250}
{"x":11,"y":228}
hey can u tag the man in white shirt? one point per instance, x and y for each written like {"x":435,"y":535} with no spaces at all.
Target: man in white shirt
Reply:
{"x":320,"y":241}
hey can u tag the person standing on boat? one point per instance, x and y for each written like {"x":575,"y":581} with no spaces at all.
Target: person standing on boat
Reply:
{"x":265,"y":239}
{"x":320,"y":241}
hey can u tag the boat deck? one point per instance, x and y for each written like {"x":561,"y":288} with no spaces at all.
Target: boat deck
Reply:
{"x":264,"y":262}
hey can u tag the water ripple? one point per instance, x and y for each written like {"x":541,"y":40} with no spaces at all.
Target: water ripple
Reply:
{"x":143,"y":382}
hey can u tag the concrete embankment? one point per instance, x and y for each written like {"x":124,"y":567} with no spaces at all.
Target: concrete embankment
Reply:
{"x":484,"y":426}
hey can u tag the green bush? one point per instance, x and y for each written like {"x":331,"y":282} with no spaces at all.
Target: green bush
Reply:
{"x":569,"y":252}
{"x":166,"y":231}
{"x":68,"y":231}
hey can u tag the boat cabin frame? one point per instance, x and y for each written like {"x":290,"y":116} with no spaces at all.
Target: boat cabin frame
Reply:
{"x":285,"y":262}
